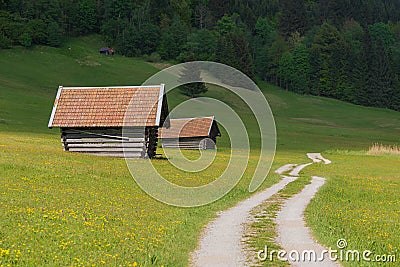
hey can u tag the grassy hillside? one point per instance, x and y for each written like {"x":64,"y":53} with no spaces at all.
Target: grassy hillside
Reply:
{"x":58,"y":208}
{"x":30,"y":78}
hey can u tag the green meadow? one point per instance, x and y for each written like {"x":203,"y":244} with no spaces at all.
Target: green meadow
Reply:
{"x":59,"y":209}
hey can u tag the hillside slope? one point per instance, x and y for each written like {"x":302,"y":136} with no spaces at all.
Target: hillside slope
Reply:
{"x":29,"y":80}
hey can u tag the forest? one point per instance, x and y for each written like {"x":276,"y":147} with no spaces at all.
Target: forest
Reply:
{"x":342,"y":49}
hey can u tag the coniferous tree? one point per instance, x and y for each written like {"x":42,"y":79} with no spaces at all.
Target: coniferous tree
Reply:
{"x":191,"y":72}
{"x":274,"y":54}
{"x":353,"y":67}
{"x":173,"y":39}
{"x":301,"y":69}
{"x":292,"y":18}
{"x":86,"y":17}
{"x":233,"y":50}
{"x":263,"y":39}
{"x":54,"y":35}
{"x":325,"y":52}
{"x":286,"y":70}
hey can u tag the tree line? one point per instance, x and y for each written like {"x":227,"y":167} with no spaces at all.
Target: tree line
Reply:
{"x":348,"y":50}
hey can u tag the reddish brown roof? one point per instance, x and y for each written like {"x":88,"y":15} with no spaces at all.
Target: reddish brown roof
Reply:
{"x":107,"y":106}
{"x":190,"y":127}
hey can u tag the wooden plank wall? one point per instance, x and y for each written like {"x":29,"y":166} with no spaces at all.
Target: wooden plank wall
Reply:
{"x":110,"y":142}
{"x":188,"y":143}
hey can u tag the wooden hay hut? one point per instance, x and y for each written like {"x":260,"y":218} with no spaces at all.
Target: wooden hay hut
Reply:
{"x":191,"y":133}
{"x":92,"y":119}
{"x":107,"y":51}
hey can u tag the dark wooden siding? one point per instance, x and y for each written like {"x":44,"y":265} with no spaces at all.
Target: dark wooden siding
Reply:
{"x":189,"y":143}
{"x":136,"y":142}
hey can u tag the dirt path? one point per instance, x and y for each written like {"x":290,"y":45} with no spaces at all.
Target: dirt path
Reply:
{"x":285,"y":168}
{"x":317,"y":157}
{"x":294,"y":235}
{"x":296,"y":171}
{"x":221,"y":242}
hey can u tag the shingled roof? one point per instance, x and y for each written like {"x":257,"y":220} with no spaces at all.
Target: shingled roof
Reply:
{"x":188,"y":127}
{"x":107,"y":106}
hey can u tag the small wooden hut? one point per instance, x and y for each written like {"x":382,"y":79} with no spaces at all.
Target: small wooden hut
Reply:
{"x":110,"y":121}
{"x":107,"y":51}
{"x":191,"y":133}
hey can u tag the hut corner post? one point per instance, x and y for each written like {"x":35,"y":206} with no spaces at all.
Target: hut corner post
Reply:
{"x":63,"y":139}
{"x":151,"y":141}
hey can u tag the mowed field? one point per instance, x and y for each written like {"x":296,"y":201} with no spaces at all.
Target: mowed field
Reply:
{"x":59,"y":209}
